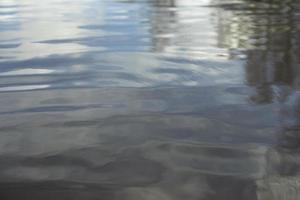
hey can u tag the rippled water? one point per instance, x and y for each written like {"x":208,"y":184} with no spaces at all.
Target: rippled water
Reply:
{"x":149,"y":99}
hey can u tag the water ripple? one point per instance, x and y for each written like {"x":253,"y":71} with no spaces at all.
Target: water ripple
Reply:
{"x":150,"y":99}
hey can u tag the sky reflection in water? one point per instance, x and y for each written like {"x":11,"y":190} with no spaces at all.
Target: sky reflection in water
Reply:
{"x":144,"y":100}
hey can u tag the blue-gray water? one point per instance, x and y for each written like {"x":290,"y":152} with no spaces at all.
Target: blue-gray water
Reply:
{"x":149,"y":100}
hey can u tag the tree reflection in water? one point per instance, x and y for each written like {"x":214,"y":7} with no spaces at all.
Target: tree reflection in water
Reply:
{"x":265,"y":34}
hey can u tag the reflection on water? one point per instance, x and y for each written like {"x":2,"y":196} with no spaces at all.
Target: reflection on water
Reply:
{"x":151,"y":99}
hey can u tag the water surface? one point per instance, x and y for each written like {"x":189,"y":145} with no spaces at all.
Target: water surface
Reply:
{"x":149,"y":99}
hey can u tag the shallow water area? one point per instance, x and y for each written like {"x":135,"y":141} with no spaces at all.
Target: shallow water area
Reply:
{"x":149,"y":99}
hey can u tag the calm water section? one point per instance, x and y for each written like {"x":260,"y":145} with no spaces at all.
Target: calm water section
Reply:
{"x":149,"y":99}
